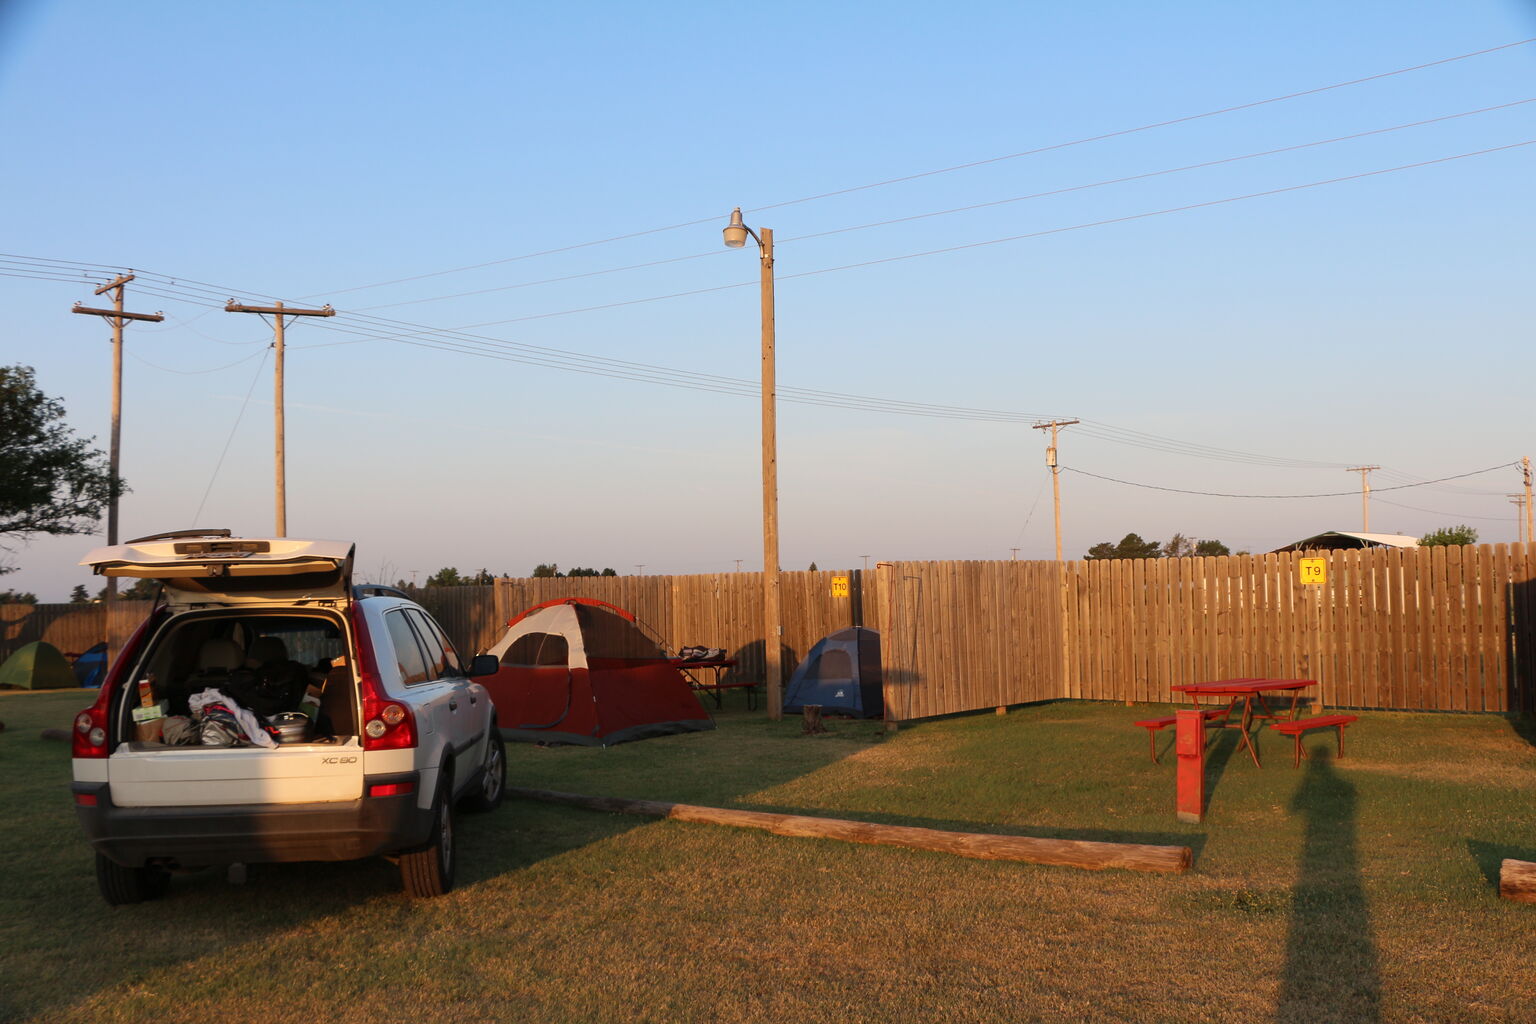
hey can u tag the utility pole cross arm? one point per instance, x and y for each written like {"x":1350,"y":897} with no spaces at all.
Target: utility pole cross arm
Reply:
{"x":118,"y":314}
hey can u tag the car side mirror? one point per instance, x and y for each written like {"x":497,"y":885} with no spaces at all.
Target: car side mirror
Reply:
{"x":483,"y":665}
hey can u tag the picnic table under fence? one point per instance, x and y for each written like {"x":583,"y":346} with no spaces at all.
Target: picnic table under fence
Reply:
{"x":715,"y":683}
{"x":1249,"y":692}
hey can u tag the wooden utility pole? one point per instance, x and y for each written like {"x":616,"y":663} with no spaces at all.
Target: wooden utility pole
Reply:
{"x":1050,"y":460}
{"x":278,"y":311}
{"x":1518,"y":500}
{"x":117,"y":318}
{"x":1530,"y":513}
{"x":735,"y":236}
{"x":1365,"y":495}
{"x":771,"y":617}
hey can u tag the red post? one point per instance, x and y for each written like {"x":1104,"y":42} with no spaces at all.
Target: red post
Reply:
{"x":1189,"y":744}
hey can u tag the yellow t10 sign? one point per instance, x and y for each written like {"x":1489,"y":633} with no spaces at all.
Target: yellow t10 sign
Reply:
{"x":839,"y":586}
{"x":1312,"y":570}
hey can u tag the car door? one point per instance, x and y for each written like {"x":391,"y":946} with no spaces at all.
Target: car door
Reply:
{"x":476,"y":696}
{"x":428,"y":694}
{"x":460,"y":721}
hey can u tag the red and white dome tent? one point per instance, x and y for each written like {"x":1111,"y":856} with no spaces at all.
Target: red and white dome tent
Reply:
{"x":579,"y":670}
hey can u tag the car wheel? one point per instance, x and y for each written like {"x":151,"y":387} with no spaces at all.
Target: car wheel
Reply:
{"x":493,"y":776}
{"x":428,"y":872}
{"x":122,"y":885}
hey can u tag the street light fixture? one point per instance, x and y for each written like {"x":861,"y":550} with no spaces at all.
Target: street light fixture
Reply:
{"x":736,"y":233}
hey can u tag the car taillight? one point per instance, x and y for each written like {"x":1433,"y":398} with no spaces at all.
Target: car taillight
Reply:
{"x":392,"y":789}
{"x":92,"y":728}
{"x":387,"y":724}
{"x":90,"y":737}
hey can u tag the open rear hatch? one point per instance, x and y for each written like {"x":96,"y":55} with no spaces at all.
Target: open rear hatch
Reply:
{"x":212,"y":567}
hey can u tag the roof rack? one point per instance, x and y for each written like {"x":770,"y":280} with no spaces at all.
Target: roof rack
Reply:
{"x":179,"y":534}
{"x":361,"y":590}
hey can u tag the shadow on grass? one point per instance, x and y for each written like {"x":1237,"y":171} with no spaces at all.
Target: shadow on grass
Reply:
{"x":1524,"y":727}
{"x":1489,"y":857}
{"x":1217,"y":756}
{"x":55,"y":903}
{"x":1331,"y":970}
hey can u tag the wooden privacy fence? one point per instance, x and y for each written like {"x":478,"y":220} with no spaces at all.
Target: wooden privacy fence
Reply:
{"x":72,"y":628}
{"x":721,"y":610}
{"x":1434,"y":629}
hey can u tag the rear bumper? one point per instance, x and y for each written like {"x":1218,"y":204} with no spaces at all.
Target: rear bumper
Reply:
{"x":258,"y":833}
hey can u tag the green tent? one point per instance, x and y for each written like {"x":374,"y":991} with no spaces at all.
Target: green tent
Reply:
{"x":38,"y":666}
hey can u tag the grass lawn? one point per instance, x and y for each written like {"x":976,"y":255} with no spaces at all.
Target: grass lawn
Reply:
{"x":1354,"y":890}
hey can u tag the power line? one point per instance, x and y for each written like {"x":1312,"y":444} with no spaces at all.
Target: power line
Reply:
{"x":954,"y":210}
{"x":947,"y":170}
{"x":174,"y":290}
{"x":238,"y":417}
{"x":1128,"y":218}
{"x":195,"y":373}
{"x":1448,"y":515}
{"x":1330,"y":494}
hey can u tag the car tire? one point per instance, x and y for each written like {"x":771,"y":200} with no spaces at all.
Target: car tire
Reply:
{"x":122,"y":885}
{"x":492,"y":786}
{"x":428,"y":872}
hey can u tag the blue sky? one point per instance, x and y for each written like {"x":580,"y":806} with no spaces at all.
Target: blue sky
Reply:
{"x":313,"y":152}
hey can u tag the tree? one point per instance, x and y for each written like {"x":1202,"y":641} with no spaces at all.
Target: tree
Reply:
{"x":1180,"y":546}
{"x":812,"y":568}
{"x":1130,"y":546}
{"x":17,"y":597}
{"x":79,"y":595}
{"x":50,"y":480}
{"x":549,"y":571}
{"x":1448,"y":536}
{"x":447,"y":576}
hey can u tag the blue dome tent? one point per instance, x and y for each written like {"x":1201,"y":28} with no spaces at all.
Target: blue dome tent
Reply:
{"x":841,"y":674}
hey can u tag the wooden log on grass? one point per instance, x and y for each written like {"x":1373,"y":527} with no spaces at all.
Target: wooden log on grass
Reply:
{"x":1072,"y":853}
{"x":1517,"y":881}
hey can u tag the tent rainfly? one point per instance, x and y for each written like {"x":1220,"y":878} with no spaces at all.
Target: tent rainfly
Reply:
{"x":841,"y":674}
{"x":579,"y":670}
{"x":37,"y":666}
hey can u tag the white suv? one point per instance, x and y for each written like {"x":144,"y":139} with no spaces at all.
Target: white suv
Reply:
{"x":400,"y":734}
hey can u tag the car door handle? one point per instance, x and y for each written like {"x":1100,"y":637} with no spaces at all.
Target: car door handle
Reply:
{"x":453,"y":705}
{"x":472,"y":700}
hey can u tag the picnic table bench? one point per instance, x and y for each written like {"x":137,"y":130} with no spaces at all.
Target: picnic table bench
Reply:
{"x":1156,"y":725}
{"x":1297,"y":727}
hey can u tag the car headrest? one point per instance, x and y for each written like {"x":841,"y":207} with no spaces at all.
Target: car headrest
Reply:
{"x":220,"y":653}
{"x":265,"y":649}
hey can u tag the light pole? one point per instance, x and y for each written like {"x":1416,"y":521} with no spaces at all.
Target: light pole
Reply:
{"x":736,"y":234}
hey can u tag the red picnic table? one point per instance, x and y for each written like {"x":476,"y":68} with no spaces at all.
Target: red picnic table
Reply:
{"x":716,"y":684}
{"x":1249,"y":691}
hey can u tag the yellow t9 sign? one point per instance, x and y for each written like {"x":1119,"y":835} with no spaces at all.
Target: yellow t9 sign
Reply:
{"x":1312,"y":570}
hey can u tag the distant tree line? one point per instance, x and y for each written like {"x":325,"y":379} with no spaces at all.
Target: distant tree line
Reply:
{"x":549,"y":571}
{"x":1180,"y":546}
{"x":1177,"y":546}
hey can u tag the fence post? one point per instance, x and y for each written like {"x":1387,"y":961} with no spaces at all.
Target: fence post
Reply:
{"x":1189,"y":745}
